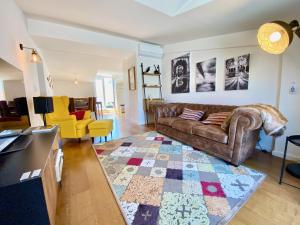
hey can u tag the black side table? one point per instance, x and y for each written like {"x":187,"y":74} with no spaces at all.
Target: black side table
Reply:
{"x":293,"y":168}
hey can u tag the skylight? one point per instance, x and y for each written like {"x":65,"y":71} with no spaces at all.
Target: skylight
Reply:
{"x":173,"y":7}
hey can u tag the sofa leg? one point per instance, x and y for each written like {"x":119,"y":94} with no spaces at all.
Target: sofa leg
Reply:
{"x":79,"y":140}
{"x":100,"y":139}
{"x":111,"y":135}
{"x":105,"y":138}
{"x":92,"y":140}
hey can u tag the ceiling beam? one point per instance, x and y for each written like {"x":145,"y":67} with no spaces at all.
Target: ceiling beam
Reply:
{"x":49,"y":29}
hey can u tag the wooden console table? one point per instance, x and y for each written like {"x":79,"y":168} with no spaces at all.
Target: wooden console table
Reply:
{"x":32,"y":201}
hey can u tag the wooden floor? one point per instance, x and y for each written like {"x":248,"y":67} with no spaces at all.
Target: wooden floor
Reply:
{"x":85,"y":197}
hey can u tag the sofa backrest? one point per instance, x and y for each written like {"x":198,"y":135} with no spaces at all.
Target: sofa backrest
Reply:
{"x":61,"y":108}
{"x":61,"y":105}
{"x":208,"y":109}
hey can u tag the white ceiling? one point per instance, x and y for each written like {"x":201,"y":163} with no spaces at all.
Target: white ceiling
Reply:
{"x":68,"y":60}
{"x":173,"y":7}
{"x":156,"y":21}
{"x":132,"y":19}
{"x":9,"y":72}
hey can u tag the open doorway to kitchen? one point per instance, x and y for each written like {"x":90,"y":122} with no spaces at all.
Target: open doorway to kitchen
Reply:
{"x":105,"y":93}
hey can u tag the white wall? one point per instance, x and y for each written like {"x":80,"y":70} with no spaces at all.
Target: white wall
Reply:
{"x":13,"y":89}
{"x":120,"y":93}
{"x":2,"y":93}
{"x":149,"y":55}
{"x":130,"y":97}
{"x":289,"y":104}
{"x":69,"y":88}
{"x":265,"y":72}
{"x":43,"y":72}
{"x":264,"y":75}
{"x":13,"y":31}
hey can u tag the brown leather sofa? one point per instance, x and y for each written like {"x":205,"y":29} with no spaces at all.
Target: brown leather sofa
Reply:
{"x":234,"y":145}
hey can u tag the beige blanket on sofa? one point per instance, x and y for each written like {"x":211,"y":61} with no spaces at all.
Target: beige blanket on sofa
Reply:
{"x":273,"y":121}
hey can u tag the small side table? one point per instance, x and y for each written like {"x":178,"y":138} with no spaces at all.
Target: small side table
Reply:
{"x":293,"y":168}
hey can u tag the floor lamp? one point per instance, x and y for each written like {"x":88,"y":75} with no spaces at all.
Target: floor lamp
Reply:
{"x":275,"y":37}
{"x":43,"y":105}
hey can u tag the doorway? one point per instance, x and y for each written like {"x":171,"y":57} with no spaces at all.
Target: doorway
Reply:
{"x":105,"y":93}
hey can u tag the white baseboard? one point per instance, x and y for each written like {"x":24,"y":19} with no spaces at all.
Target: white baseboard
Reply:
{"x":289,"y":155}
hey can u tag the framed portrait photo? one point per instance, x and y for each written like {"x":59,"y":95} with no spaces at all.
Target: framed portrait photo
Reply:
{"x":131,"y":79}
{"x":180,"y":74}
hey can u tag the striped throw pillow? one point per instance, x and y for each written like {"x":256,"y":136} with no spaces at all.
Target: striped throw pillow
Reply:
{"x":189,"y":114}
{"x":216,"y":118}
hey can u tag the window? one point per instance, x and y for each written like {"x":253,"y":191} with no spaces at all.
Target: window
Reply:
{"x":105,"y":92}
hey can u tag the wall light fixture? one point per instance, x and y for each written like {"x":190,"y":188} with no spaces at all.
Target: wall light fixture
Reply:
{"x":35,"y":58}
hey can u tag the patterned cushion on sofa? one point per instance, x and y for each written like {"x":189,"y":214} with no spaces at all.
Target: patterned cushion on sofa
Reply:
{"x":189,"y":114}
{"x":216,"y":118}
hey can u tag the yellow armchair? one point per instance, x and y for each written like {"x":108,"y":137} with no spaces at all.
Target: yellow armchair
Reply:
{"x":69,"y":126}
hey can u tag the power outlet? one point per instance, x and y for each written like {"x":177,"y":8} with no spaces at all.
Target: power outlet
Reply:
{"x":293,"y":88}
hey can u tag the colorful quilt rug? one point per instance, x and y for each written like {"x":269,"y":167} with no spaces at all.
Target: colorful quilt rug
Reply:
{"x":157,"y":180}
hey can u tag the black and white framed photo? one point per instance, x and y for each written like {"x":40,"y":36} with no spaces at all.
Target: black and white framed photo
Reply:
{"x":206,"y":75}
{"x":237,"y":73}
{"x":180,"y":70}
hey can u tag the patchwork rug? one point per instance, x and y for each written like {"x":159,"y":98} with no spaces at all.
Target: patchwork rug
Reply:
{"x":157,"y":180}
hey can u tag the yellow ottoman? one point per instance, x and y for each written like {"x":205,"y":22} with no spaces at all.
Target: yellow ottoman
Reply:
{"x":100,"y":128}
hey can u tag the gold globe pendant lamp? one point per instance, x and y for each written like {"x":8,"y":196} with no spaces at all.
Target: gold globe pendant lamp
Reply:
{"x":275,"y":37}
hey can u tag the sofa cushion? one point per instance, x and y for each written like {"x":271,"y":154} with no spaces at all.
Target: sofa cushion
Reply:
{"x":212,"y":132}
{"x":189,"y":114}
{"x":167,"y":120}
{"x":79,"y":114}
{"x":185,"y":125}
{"x":216,"y":118}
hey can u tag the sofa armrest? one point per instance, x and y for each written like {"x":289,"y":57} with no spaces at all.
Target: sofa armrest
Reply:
{"x":52,"y":120}
{"x":67,"y":125}
{"x":243,"y":133}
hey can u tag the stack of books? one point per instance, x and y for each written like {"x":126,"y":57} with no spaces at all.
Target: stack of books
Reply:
{"x":43,"y":129}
